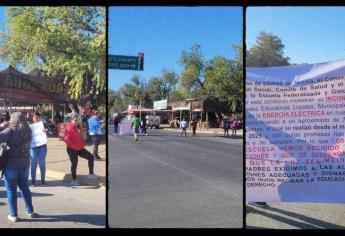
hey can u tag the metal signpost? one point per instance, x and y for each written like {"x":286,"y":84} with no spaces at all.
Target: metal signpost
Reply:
{"x":140,"y":95}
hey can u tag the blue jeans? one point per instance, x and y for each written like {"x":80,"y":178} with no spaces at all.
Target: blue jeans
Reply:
{"x":15,"y":175}
{"x":38,"y":156}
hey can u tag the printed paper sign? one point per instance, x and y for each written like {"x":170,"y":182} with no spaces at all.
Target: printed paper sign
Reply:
{"x":39,"y":137}
{"x":295,"y":133}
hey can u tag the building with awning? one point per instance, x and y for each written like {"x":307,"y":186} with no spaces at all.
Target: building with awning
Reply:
{"x":32,"y":88}
{"x":36,"y":87}
{"x":208,"y":110}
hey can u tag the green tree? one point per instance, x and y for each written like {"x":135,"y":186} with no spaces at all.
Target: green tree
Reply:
{"x":64,"y":41}
{"x":163,"y":86}
{"x":224,"y":79}
{"x":268,"y":51}
{"x":193,"y":75}
{"x":115,"y":102}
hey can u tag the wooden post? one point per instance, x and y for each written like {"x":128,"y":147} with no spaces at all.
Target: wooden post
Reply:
{"x":201,"y":120}
{"x":140,"y":109}
{"x":64,"y":111}
{"x":52,"y":112}
{"x":190,"y":119}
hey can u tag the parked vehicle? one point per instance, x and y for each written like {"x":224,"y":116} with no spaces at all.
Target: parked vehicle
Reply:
{"x":153,"y":121}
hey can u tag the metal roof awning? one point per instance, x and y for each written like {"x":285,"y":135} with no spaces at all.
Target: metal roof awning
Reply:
{"x":139,"y":110}
{"x":180,"y":108}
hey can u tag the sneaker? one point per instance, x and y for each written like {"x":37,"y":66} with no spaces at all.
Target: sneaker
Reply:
{"x":43,"y":183}
{"x":32,"y":215}
{"x":32,"y":184}
{"x":13,"y":218}
{"x":75,"y":183}
{"x":93,"y":176}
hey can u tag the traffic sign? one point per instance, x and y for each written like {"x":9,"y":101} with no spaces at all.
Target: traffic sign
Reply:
{"x":126,"y":62}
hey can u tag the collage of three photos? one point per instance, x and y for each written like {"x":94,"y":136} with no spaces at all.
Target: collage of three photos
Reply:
{"x":224,"y":117}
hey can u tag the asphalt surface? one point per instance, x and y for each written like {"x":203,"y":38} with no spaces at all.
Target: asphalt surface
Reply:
{"x":296,"y":216}
{"x":167,"y":181}
{"x":59,"y":206}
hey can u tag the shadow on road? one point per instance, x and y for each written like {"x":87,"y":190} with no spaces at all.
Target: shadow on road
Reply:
{"x":153,"y":140}
{"x":3,"y":194}
{"x":229,"y":137}
{"x":310,"y":223}
{"x":98,"y":220}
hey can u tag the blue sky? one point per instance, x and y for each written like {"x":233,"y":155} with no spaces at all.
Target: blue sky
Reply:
{"x":162,"y":33}
{"x":310,"y":34}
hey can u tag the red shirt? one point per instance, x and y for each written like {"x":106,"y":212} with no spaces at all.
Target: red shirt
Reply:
{"x":74,"y":137}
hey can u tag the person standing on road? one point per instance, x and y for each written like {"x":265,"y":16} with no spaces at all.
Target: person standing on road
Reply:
{"x":226,"y":125}
{"x":18,"y":135}
{"x":234,"y":126}
{"x":76,"y":147}
{"x":95,"y":127}
{"x":144,"y":125}
{"x":57,"y":120}
{"x":135,"y":126}
{"x":194,"y":125}
{"x":38,"y":154}
{"x":116,"y":124}
{"x":184,"y":126}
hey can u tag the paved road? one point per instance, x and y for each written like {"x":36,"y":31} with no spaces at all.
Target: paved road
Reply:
{"x":59,"y":206}
{"x":296,"y":216}
{"x":164,"y":180}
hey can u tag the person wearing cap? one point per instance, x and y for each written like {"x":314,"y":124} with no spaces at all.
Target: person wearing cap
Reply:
{"x":76,"y":147}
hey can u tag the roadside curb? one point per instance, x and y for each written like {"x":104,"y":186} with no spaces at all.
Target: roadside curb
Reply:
{"x":206,"y":131}
{"x":83,"y":179}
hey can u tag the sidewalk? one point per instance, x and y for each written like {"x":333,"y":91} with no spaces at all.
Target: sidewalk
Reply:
{"x":58,"y":164}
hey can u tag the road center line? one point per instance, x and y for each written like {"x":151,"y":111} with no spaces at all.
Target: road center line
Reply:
{"x":220,"y":188}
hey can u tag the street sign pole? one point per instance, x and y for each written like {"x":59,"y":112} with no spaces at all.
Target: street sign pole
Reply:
{"x":140,"y":109}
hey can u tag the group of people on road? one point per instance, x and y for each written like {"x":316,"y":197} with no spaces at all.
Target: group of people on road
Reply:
{"x":22,"y":154}
{"x":230,"y":123}
{"x":137,"y":125}
{"x":227,"y":123}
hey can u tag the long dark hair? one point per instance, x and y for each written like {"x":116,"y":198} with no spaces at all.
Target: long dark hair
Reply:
{"x":19,"y":120}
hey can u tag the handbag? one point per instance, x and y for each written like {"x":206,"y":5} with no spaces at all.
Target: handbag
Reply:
{"x":4,"y":148}
{"x":3,"y":156}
